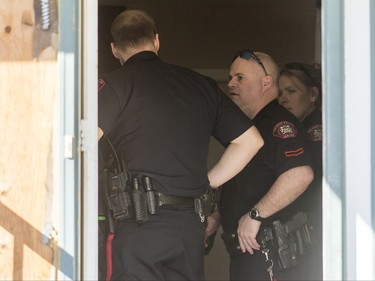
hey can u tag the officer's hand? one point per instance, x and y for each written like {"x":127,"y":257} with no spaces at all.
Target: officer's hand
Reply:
{"x":247,"y":232}
{"x":213,"y":223}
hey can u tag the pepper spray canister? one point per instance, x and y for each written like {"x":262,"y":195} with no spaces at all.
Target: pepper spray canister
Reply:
{"x":150,"y":195}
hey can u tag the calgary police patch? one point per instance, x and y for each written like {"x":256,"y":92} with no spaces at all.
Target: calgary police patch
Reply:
{"x":101,"y":84}
{"x":315,"y":133}
{"x":284,"y":130}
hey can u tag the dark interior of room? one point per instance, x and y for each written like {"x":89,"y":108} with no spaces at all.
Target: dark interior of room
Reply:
{"x":205,"y":34}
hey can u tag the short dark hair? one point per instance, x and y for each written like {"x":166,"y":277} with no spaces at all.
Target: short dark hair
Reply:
{"x":133,"y":28}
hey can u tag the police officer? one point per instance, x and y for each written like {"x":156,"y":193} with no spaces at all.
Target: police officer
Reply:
{"x":300,"y":93}
{"x":278,"y":174}
{"x":159,"y":118}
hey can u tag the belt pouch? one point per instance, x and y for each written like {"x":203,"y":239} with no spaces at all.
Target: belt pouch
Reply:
{"x":139,"y":203}
{"x":205,"y":205}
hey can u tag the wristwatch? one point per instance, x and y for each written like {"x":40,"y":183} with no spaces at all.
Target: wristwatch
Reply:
{"x":255,"y":215}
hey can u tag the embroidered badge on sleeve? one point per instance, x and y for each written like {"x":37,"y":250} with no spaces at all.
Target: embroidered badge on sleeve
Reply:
{"x":101,"y":84}
{"x":284,"y":130}
{"x":315,"y":133}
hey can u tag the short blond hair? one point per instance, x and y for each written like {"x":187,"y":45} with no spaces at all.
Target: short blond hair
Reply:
{"x":133,"y":29}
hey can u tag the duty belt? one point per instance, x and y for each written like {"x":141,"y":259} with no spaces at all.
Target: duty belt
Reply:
{"x":138,"y":199}
{"x":174,"y":200}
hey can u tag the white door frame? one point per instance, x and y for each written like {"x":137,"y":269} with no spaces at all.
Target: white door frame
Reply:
{"x":348,"y":205}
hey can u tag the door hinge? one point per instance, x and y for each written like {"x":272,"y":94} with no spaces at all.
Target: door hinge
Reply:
{"x":68,"y":146}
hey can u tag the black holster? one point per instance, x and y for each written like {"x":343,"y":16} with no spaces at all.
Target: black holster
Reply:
{"x":288,"y":240}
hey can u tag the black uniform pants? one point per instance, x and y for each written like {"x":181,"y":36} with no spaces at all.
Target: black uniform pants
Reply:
{"x":169,"y":246}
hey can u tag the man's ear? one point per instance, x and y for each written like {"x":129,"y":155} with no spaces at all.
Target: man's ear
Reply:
{"x":314,"y":94}
{"x":115,"y":52}
{"x":156,"y":42}
{"x":267,"y":81}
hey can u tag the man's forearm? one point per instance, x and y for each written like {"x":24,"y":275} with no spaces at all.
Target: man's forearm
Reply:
{"x":287,"y":188}
{"x":235,"y":157}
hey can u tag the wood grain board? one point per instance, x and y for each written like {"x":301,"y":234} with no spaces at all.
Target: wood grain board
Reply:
{"x":28,"y":89}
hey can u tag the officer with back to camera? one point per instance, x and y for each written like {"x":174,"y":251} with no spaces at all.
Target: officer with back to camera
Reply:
{"x":159,"y":118}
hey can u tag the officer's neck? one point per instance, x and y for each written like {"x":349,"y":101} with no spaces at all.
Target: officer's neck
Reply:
{"x":125,"y":55}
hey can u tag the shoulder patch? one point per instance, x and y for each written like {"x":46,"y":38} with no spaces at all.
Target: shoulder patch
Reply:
{"x":315,"y":133}
{"x":101,"y":84}
{"x":284,"y":130}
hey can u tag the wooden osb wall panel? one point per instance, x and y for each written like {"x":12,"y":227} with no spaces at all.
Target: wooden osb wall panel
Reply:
{"x":29,"y":72}
{"x":25,"y":114}
{"x":16,"y":29}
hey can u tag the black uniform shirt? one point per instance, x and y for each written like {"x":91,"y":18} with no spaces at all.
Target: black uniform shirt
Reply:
{"x":160,"y":118}
{"x":313,"y":125}
{"x":285,"y":147}
{"x":312,"y":197}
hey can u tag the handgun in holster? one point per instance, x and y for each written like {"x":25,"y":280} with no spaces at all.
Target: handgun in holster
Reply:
{"x":286,"y":246}
{"x":299,"y":226}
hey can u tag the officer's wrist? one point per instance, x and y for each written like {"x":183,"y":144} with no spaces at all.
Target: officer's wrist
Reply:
{"x":254,"y":214}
